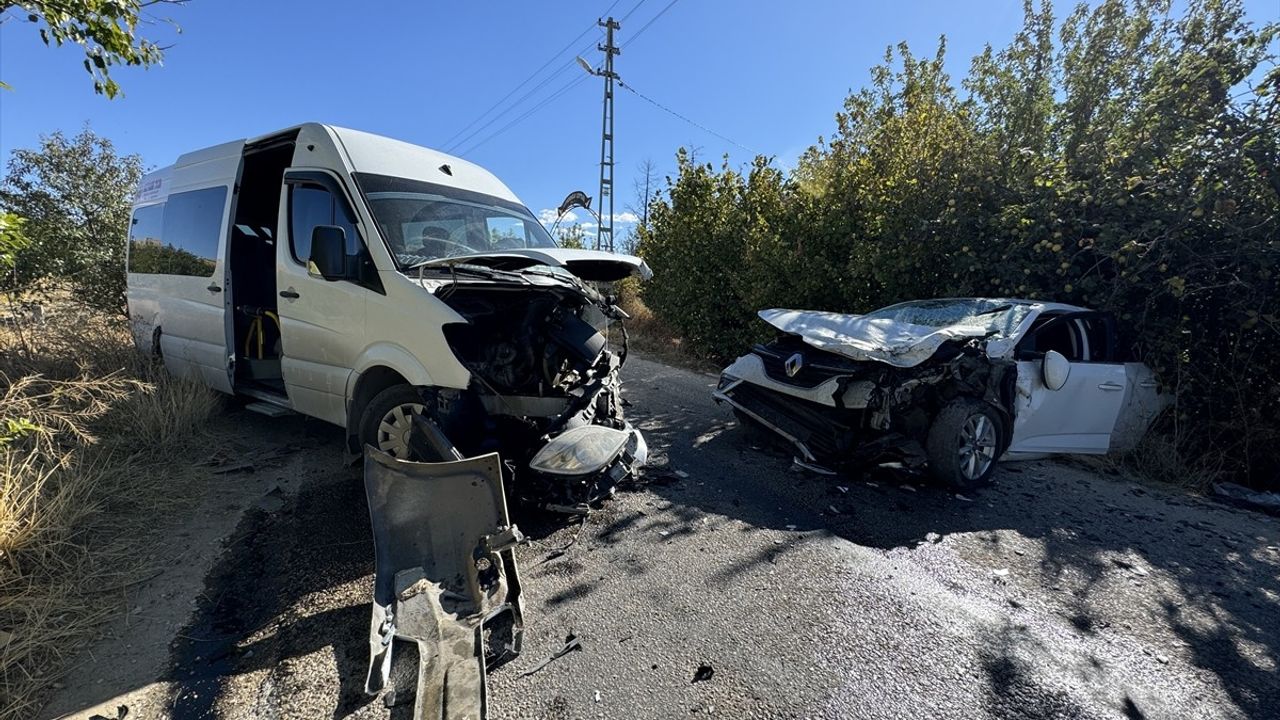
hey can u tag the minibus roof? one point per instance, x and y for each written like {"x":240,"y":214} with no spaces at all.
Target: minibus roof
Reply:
{"x":366,"y":152}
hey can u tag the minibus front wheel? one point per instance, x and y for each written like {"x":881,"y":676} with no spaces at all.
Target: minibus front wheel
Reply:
{"x":388,"y":419}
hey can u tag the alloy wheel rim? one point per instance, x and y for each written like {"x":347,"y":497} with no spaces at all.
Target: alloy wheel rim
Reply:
{"x":977,"y":446}
{"x":394,"y":429}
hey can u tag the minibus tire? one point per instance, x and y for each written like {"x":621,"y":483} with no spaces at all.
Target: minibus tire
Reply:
{"x":379,"y":408}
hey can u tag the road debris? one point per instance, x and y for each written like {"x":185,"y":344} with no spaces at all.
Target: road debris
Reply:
{"x":122,"y":712}
{"x":272,"y":501}
{"x":571,"y":643}
{"x":444,"y":577}
{"x":1267,"y":502}
{"x":1130,"y":566}
{"x":662,"y":479}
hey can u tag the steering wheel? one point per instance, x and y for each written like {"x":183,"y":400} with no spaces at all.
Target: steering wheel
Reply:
{"x":465,"y":249}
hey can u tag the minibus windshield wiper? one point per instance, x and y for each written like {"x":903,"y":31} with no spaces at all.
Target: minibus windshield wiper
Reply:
{"x":432,"y":264}
{"x":456,"y":268}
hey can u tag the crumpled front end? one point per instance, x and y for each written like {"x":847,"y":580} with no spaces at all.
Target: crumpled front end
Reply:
{"x":545,"y":389}
{"x":839,"y":413}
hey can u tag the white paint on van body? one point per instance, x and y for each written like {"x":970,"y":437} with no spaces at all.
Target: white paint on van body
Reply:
{"x":190,"y":315}
{"x":333,"y":331}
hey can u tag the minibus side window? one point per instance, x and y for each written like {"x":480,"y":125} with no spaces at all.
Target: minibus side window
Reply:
{"x":312,"y":205}
{"x":189,"y":225}
{"x":145,"y":246}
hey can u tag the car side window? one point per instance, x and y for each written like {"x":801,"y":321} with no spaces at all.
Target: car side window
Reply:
{"x":1097,"y":331}
{"x":1052,"y":333}
{"x":1079,"y":337}
{"x":313,"y":205}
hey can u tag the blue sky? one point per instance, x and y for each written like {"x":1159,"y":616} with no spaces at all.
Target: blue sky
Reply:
{"x":768,"y":75}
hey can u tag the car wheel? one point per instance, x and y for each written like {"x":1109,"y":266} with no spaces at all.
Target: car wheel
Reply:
{"x":964,"y":443}
{"x":388,"y":419}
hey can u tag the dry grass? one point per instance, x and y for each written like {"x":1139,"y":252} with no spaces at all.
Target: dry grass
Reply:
{"x":1158,"y":461}
{"x":648,"y":336}
{"x":88,"y":436}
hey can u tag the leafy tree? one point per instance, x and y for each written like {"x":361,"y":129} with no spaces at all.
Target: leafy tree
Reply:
{"x":571,"y":236}
{"x":106,"y":29}
{"x":75,"y":194}
{"x":1124,"y":158}
{"x":12,"y":240}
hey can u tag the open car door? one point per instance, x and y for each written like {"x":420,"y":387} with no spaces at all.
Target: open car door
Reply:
{"x":1080,"y":416}
{"x":1143,"y":403}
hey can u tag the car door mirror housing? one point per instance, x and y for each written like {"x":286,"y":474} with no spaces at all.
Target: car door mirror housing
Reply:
{"x":1054,"y":370}
{"x":328,"y":251}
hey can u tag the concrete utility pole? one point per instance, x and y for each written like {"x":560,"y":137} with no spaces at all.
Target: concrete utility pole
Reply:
{"x":604,"y":231}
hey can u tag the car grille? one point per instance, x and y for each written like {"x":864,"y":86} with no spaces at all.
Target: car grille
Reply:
{"x":829,"y":434}
{"x":816,"y":369}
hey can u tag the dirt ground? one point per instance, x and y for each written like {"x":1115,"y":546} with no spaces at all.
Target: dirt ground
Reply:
{"x":728,"y":583}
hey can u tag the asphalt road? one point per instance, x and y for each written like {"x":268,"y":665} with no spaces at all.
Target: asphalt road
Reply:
{"x":1056,"y":593}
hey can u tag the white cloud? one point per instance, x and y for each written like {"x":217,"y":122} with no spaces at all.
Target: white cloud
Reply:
{"x":548,"y":217}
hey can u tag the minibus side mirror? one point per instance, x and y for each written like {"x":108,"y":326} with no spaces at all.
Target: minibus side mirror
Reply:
{"x":328,"y":251}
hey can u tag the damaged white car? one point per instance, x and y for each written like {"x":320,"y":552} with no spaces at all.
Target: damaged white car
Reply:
{"x":958,"y":382}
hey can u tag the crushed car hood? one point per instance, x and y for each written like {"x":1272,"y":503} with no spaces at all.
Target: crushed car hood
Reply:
{"x":861,"y":338}
{"x":593,"y":265}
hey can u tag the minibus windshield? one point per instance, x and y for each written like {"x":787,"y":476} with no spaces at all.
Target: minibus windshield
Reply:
{"x":423,"y":221}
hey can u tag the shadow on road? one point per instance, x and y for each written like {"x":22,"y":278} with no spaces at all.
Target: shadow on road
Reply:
{"x":1211,"y":585}
{"x":265,"y":600}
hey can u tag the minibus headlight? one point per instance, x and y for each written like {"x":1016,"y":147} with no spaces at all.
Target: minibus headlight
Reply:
{"x":580,"y":451}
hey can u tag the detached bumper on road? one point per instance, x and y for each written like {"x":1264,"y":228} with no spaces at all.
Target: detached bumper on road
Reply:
{"x":445,"y":577}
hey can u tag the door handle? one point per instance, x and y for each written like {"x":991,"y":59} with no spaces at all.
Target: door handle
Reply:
{"x":289,"y":294}
{"x":213,"y":288}
{"x":1148,"y":384}
{"x":1110,"y":386}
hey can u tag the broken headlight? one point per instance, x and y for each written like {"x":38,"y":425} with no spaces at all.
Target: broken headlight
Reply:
{"x":580,"y":451}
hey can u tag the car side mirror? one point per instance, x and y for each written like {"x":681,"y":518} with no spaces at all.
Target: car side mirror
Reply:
{"x":1054,"y":370}
{"x":328,"y":251}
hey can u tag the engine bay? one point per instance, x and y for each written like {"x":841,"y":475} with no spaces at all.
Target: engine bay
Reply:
{"x":542,"y":364}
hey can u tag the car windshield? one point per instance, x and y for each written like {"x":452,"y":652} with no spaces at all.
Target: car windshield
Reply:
{"x":992,"y":316}
{"x":423,"y":221}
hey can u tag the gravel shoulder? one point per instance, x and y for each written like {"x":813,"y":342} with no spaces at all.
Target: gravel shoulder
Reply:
{"x":1056,"y":592}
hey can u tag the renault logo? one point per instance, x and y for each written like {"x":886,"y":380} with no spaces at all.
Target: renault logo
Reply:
{"x":794,"y":365}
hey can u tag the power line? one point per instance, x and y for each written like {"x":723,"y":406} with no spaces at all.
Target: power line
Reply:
{"x":532,"y":75}
{"x":541,"y":104}
{"x":652,"y":20}
{"x":666,"y":109}
{"x":449,"y":147}
{"x":629,"y":12}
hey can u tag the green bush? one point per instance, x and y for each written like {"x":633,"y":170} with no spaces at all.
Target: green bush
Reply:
{"x":75,"y":195}
{"x":1124,"y":159}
